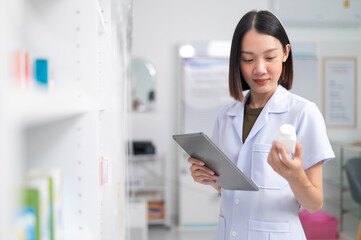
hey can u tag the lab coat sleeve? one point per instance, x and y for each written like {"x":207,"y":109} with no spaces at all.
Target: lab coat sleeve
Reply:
{"x":311,"y":133}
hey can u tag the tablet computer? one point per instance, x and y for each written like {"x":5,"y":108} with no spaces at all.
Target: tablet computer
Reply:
{"x":200,"y":146}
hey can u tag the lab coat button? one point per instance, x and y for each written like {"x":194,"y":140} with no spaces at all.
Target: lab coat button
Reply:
{"x":234,"y":234}
{"x":236,"y":201}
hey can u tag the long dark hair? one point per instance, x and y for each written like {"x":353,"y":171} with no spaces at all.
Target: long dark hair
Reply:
{"x":263,"y":22}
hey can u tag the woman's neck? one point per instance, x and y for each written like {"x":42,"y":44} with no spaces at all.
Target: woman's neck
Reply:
{"x":258,"y":100}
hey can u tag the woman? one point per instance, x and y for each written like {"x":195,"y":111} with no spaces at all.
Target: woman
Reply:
{"x":245,"y":130}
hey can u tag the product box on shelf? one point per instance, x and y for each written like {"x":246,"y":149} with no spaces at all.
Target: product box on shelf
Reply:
{"x":156,"y":210}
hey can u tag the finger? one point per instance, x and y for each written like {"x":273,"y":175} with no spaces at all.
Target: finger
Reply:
{"x":298,"y":151}
{"x":192,"y":160}
{"x":203,"y":177}
{"x":195,"y":167}
{"x":273,"y":155}
{"x":207,"y":182}
{"x":200,"y":176}
{"x":215,"y":185}
{"x":200,"y":170}
{"x":274,"y":159}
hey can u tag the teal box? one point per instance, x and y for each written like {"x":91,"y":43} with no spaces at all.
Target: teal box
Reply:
{"x":41,"y":71}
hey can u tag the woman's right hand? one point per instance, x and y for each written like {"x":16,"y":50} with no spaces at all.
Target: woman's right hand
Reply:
{"x":202,"y":174}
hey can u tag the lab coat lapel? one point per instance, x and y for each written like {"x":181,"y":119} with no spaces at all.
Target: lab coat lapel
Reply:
{"x":238,"y":119}
{"x":237,"y":113}
{"x":260,"y":122}
{"x":278,"y":103}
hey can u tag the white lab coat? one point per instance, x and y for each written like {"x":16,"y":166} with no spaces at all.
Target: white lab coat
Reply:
{"x":271,"y":212}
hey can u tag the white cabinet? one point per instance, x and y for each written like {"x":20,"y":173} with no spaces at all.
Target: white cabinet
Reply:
{"x":148,"y":182}
{"x":72,"y":124}
{"x":138,"y":220}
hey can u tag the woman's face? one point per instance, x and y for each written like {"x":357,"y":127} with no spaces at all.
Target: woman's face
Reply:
{"x":261,"y":61}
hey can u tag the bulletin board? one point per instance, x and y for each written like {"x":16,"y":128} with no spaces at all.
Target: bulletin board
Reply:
{"x":205,"y":91}
{"x":339,"y":92}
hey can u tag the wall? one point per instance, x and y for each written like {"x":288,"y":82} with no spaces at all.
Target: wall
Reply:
{"x":158,"y":26}
{"x":334,"y":42}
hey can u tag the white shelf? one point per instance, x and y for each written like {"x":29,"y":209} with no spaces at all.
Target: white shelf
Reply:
{"x":147,"y":188}
{"x":157,"y":221}
{"x":74,"y":123}
{"x":148,"y":196}
{"x":30,"y":109}
{"x":144,"y":157}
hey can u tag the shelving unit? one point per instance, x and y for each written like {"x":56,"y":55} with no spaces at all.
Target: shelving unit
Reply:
{"x":148,"y":183}
{"x":338,"y":200}
{"x":75,"y":123}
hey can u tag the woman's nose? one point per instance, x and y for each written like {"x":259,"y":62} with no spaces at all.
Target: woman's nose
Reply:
{"x":260,"y":67}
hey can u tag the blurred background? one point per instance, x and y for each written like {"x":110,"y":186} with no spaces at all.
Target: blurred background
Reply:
{"x":92,"y":92}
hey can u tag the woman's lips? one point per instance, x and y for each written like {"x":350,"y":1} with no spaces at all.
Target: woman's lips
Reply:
{"x":260,"y":81}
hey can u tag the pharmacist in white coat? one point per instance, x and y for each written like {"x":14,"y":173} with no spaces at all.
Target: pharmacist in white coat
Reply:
{"x":246,"y":130}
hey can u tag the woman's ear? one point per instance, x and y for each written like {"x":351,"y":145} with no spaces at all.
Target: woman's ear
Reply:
{"x":286,"y":52}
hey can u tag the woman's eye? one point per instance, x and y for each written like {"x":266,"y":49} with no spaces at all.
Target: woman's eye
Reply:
{"x":270,"y":58}
{"x":247,"y":60}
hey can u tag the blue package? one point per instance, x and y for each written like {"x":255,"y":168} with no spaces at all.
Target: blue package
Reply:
{"x":41,"y":71}
{"x":26,"y":223}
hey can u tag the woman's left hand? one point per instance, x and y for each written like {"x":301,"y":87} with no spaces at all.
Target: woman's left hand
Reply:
{"x":305,"y":184}
{"x":280,"y":161}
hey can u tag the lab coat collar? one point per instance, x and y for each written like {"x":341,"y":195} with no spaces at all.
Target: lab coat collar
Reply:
{"x":278,"y":103}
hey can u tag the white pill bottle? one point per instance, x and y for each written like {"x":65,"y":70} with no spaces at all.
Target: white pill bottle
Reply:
{"x":287,"y":137}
